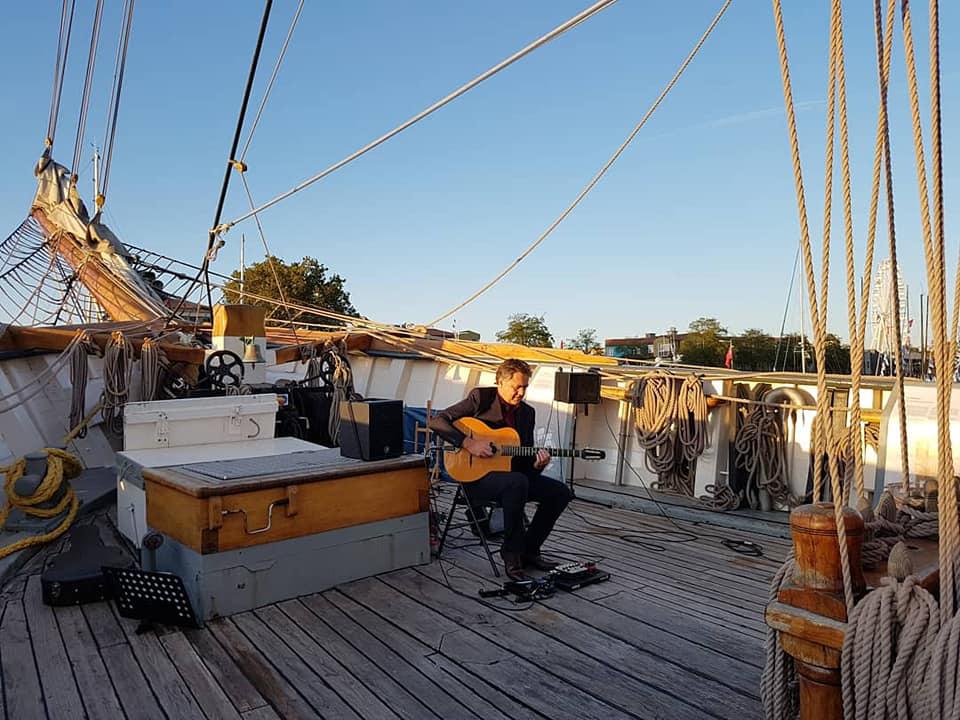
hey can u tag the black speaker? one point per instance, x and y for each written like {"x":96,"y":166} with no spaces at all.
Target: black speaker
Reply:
{"x":371,"y":429}
{"x":577,"y":388}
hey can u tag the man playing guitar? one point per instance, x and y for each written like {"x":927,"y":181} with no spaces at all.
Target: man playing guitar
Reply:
{"x":503,"y":406}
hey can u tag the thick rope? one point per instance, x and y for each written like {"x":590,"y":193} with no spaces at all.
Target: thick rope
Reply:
{"x":818,"y":318}
{"x":79,"y":370}
{"x":887,"y":648}
{"x":933,"y":254}
{"x":117,"y":369}
{"x":761,"y":451}
{"x":61,"y":467}
{"x":19,"y":395}
{"x":779,"y":686}
{"x":342,"y":390}
{"x":854,"y":439}
{"x":596,"y":178}
{"x":149,"y":369}
{"x":671,"y":419}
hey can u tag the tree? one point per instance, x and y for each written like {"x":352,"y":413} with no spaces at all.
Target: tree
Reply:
{"x":754,"y":350}
{"x":837,"y":355}
{"x":524,"y":329}
{"x":585,"y":341}
{"x":704,"y":344}
{"x":306,"y":282}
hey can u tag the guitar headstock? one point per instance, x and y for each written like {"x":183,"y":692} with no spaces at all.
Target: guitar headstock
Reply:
{"x":591,"y":454}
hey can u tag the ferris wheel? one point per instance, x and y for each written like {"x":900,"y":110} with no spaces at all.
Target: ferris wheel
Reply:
{"x":882,"y":316}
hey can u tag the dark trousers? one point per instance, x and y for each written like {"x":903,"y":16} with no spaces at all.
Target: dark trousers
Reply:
{"x":513,"y":490}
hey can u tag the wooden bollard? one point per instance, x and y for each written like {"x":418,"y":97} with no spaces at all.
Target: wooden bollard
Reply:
{"x":816,"y":591}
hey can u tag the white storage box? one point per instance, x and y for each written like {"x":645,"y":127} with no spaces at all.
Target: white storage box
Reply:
{"x":198,"y":421}
{"x":131,"y":498}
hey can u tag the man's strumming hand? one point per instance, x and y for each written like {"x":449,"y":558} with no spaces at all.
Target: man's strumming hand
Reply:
{"x":478,"y":448}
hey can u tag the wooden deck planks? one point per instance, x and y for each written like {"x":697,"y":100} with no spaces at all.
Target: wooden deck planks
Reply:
{"x":400,"y":702}
{"x":298,"y":673}
{"x":59,"y":688}
{"x":269,"y":682}
{"x":169,"y":687}
{"x":236,"y":686}
{"x":424,"y":659}
{"x":93,"y":680}
{"x":206,"y":691}
{"x":23,"y":696}
{"x":582,"y":672}
{"x":432,"y":698}
{"x":329,"y":671}
{"x":626,"y":652}
{"x":133,"y":691}
{"x":675,"y":634}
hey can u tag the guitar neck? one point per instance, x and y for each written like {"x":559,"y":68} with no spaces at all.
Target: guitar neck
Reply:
{"x":523,"y":451}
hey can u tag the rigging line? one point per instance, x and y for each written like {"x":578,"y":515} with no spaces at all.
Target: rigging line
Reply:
{"x":266,"y":248}
{"x":60,"y":68}
{"x":87,"y":86}
{"x":273,"y":77}
{"x":596,"y":178}
{"x":211,"y":237}
{"x":543,"y":40}
{"x":120,"y":64}
{"x":786,"y":309}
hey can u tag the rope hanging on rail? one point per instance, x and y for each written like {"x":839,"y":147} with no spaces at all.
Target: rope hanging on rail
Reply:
{"x":670,"y":415}
{"x":117,"y":368}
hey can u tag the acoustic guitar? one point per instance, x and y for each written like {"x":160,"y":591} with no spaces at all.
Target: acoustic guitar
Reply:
{"x":505,"y":443}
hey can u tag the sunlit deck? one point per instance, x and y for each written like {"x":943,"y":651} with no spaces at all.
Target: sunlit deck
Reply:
{"x":676,"y":633}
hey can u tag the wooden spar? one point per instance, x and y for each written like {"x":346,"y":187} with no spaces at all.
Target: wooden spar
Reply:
{"x":290,"y":353}
{"x":810,"y":614}
{"x":57,"y":339}
{"x":119,"y":302}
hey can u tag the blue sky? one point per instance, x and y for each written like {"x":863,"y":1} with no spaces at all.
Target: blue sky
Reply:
{"x":698,"y":218}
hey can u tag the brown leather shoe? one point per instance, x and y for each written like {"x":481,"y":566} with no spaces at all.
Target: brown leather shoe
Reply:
{"x":512,"y":565}
{"x":538,"y":562}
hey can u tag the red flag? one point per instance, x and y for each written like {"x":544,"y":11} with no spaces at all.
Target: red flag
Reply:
{"x":728,"y":361}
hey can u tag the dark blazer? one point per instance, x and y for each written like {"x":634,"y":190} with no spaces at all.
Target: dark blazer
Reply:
{"x":483,"y":403}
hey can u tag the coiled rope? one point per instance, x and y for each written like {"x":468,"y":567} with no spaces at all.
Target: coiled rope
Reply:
{"x":61,"y":467}
{"x":670,"y":415}
{"x":887,"y":647}
{"x":342,"y":390}
{"x":79,"y":370}
{"x":117,"y":368}
{"x":779,"y":686}
{"x":150,"y":367}
{"x":761,"y":451}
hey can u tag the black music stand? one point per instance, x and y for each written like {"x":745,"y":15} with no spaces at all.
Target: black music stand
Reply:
{"x":152,"y":597}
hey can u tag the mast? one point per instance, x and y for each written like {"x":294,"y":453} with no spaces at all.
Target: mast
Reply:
{"x":243,"y":243}
{"x":803,"y":336}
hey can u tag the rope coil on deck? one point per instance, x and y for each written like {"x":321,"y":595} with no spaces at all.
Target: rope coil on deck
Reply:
{"x":61,"y":467}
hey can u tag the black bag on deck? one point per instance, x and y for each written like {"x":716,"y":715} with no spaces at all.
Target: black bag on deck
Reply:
{"x":76,"y":576}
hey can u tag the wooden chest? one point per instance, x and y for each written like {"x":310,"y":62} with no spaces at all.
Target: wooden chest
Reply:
{"x":231,"y":504}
